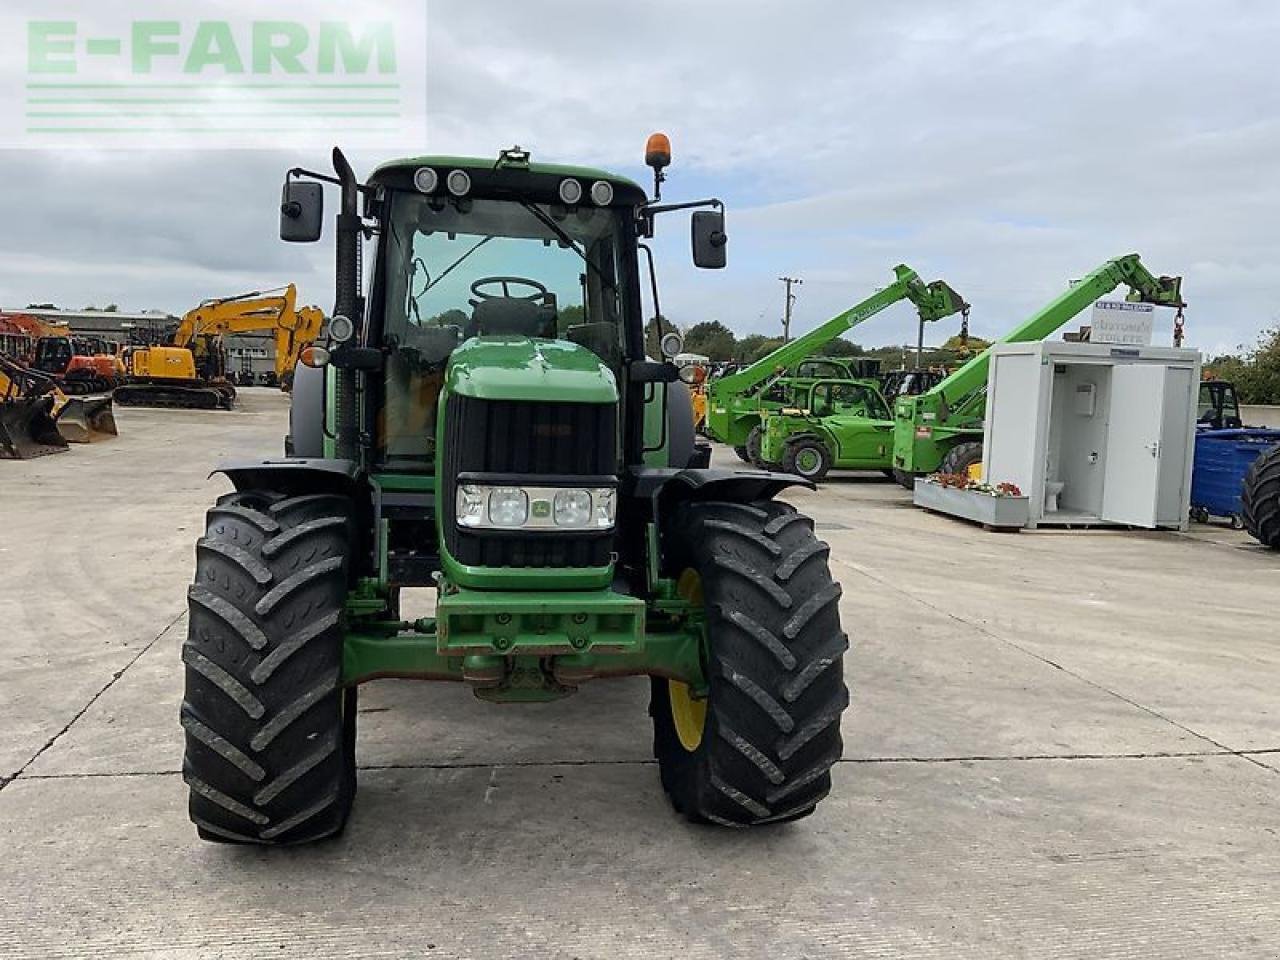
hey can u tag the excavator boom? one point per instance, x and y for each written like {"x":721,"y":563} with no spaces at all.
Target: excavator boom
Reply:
{"x":190,"y":371}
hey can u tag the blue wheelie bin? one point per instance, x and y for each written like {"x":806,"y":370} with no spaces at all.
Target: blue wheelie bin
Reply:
{"x":1217,"y":476}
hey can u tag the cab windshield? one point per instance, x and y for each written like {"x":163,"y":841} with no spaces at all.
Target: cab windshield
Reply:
{"x":462,"y":269}
{"x":848,"y":399}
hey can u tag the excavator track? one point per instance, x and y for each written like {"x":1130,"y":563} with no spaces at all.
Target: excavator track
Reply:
{"x":172,"y":396}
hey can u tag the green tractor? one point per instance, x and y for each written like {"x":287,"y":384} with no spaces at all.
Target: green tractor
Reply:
{"x":777,"y":380}
{"x":483,"y":420}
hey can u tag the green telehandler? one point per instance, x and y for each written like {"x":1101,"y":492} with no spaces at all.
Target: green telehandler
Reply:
{"x":735,"y":402}
{"x":484,"y":420}
{"x":941,"y":429}
{"x":834,"y":425}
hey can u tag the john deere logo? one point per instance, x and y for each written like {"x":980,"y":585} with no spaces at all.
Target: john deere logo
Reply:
{"x":92,"y":75}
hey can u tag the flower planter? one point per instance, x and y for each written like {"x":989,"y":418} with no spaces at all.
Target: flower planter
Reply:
{"x":996,"y":513}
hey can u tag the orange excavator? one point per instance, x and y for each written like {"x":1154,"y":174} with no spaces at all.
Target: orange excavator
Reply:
{"x":80,"y":364}
{"x":191,"y":370}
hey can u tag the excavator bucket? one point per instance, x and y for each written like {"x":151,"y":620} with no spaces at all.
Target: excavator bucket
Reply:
{"x":27,"y":429}
{"x":86,"y":419}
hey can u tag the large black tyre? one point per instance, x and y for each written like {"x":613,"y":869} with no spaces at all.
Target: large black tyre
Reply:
{"x":1260,"y":499}
{"x":961,"y":457}
{"x":771,"y":728}
{"x":905,"y":479}
{"x":270,"y":733}
{"x":753,"y":447}
{"x":742,"y":453}
{"x":808,"y":458}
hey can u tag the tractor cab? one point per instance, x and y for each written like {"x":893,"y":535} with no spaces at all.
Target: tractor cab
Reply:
{"x":543,"y":277}
{"x":1219,"y":409}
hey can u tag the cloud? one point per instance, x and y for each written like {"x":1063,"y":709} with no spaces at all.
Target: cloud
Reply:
{"x":1004,"y":146}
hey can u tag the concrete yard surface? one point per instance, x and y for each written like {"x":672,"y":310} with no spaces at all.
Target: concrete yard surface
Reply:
{"x":1061,"y":744}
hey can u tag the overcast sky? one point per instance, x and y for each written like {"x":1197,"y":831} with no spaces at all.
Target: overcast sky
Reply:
{"x":1004,"y":146}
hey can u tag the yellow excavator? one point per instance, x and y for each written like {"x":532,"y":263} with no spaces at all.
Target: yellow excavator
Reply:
{"x":191,"y":370}
{"x":37,"y":418}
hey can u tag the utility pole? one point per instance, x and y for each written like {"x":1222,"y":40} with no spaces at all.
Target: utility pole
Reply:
{"x":791,"y":298}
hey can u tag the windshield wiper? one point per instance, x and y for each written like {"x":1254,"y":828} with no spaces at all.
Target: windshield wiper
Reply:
{"x":449,"y":269}
{"x":569,"y":242}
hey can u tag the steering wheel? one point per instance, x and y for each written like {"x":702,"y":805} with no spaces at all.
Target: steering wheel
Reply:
{"x":540,"y":291}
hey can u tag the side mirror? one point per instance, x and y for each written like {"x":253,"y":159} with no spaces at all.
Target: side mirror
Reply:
{"x":301,"y":212}
{"x":709,"y":239}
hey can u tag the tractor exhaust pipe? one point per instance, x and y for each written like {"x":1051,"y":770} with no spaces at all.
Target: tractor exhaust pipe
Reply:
{"x":346,"y":422}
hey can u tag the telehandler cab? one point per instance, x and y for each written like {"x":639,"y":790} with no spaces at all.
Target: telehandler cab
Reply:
{"x":484,"y":420}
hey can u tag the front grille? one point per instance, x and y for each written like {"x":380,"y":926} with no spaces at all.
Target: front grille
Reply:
{"x":526,"y":441}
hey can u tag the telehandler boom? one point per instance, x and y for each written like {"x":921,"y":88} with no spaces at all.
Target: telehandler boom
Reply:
{"x":942,"y":428}
{"x":734,"y":402}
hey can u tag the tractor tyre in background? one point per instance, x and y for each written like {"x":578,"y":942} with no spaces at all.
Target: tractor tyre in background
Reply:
{"x":807,"y":458}
{"x":905,"y":479}
{"x":742,"y":453}
{"x":759,"y":747}
{"x":961,"y":457}
{"x":270,"y":732}
{"x":753,"y":448}
{"x":1260,"y":499}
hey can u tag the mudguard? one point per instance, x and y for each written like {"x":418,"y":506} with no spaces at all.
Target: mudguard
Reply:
{"x":681,"y":435}
{"x":306,"y":413}
{"x":668,"y":487}
{"x":294,"y":475}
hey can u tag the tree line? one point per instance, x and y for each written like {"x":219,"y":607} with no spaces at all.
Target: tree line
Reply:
{"x":1254,"y":371}
{"x":713,"y":339}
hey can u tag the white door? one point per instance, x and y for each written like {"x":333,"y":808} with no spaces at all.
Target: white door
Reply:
{"x":1134,"y":428}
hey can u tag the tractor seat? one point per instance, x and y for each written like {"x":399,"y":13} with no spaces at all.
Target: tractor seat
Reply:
{"x":514,"y":317}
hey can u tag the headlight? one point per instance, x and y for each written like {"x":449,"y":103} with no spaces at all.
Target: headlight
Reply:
{"x":508,"y":507}
{"x":426,"y":180}
{"x":459,"y":183}
{"x":570,"y":191}
{"x":606,"y":508}
{"x":602,"y":193}
{"x":572,"y":508}
{"x":341,"y":329}
{"x":546,"y":509}
{"x":471,"y":504}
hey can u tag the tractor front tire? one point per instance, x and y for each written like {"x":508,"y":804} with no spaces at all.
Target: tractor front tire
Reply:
{"x":270,"y":732}
{"x":1260,"y":499}
{"x":961,"y":457}
{"x":809,"y":459}
{"x":759,"y":748}
{"x":742,"y":453}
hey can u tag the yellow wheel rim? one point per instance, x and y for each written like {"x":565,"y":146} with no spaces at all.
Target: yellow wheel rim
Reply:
{"x":974,"y":472}
{"x":688,"y":715}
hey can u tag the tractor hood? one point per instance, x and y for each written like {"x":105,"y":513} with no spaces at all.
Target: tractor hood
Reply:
{"x":524,"y":368}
